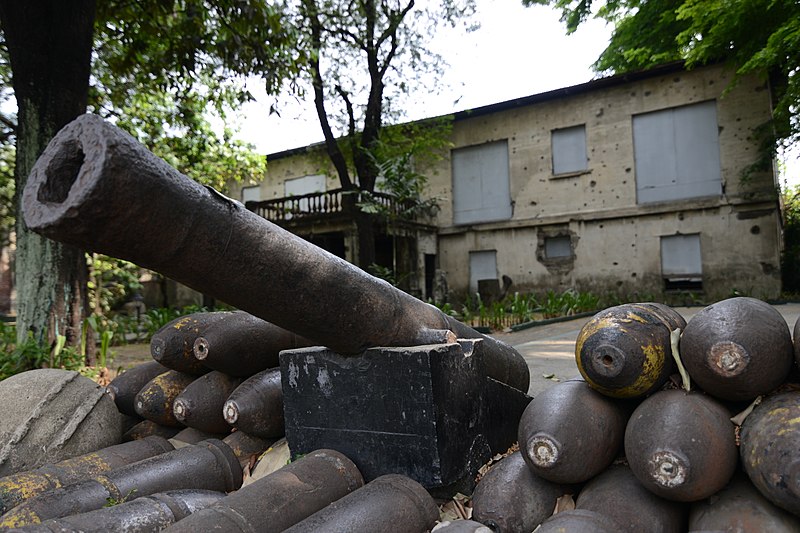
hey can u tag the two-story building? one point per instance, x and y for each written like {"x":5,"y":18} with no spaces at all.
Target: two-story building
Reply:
{"x":635,"y":184}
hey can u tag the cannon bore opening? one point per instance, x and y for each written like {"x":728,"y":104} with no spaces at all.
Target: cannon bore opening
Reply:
{"x":61,"y":173}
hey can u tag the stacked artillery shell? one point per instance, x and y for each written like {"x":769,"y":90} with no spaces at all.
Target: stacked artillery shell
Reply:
{"x":155,"y":400}
{"x":570,"y":432}
{"x":209,"y":465}
{"x":148,"y":428}
{"x":512,"y":499}
{"x":240,"y":344}
{"x":200,"y":404}
{"x":16,"y":488}
{"x":188,"y":436}
{"x":625,"y":351}
{"x":681,"y":446}
{"x":256,"y":406}
{"x":737,"y":349}
{"x":245,"y":446}
{"x":124,"y":388}
{"x":173,"y":344}
{"x":281,"y":499}
{"x":462,"y":526}
{"x":389,"y":504}
{"x":579,"y":521}
{"x":146,"y":514}
{"x":769,"y":449}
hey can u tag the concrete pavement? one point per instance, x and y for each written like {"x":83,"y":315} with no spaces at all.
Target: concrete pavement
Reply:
{"x":549,"y":350}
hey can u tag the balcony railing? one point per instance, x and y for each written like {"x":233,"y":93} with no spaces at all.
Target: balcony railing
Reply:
{"x":323,"y":204}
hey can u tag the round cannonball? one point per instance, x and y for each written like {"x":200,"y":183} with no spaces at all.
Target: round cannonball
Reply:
{"x":50,"y":415}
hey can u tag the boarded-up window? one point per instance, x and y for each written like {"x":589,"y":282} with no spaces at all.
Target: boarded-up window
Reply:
{"x":251,"y":194}
{"x":482,"y":265}
{"x":304,"y":185}
{"x":569,"y":150}
{"x":681,"y":262}
{"x":677,"y":153}
{"x":557,"y":247}
{"x":481,"y":183}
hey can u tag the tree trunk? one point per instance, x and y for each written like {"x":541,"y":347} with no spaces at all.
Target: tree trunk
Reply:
{"x":49,"y":44}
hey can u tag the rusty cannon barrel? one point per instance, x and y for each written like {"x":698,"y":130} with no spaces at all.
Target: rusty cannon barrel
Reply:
{"x":681,"y":445}
{"x":208,"y":465}
{"x":16,"y":488}
{"x":146,"y":514}
{"x":769,"y":449}
{"x":737,"y":349}
{"x":155,"y":401}
{"x":124,"y":388}
{"x":173,"y":344}
{"x":92,"y":175}
{"x":625,"y":351}
{"x":391,"y":503}
{"x":200,"y":404}
{"x":617,"y":494}
{"x":281,"y":499}
{"x":256,"y":406}
{"x":570,"y":432}
{"x":511,"y":499}
{"x":241,"y":344}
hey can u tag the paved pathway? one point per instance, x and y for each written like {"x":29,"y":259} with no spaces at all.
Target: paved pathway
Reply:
{"x":549,"y":350}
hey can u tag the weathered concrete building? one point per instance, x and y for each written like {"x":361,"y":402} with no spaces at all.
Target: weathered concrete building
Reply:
{"x":634,"y":184}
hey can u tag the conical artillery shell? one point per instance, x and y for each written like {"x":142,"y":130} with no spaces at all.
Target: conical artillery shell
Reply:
{"x":240,"y":344}
{"x":245,"y":446}
{"x":769,"y":449}
{"x":462,"y":526}
{"x":579,"y":521}
{"x":155,"y":401}
{"x":173,"y":344}
{"x":124,"y":388}
{"x":740,"y":507}
{"x":209,"y":465}
{"x":146,"y":514}
{"x":256,"y":406}
{"x":681,"y":446}
{"x":737,"y":349}
{"x":389,"y":504}
{"x":16,"y":488}
{"x":626,"y":351}
{"x":617,"y":494}
{"x":570,"y":432}
{"x":199,"y":405}
{"x":148,"y":428}
{"x":189,"y":436}
{"x":511,"y":498}
{"x":281,"y":499}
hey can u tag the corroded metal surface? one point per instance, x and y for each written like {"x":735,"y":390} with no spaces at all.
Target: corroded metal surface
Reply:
{"x":93,"y":175}
{"x":625,"y":351}
{"x":570,"y":433}
{"x":737,"y":349}
{"x":155,"y":400}
{"x":579,"y":521}
{"x":769,"y":449}
{"x":247,"y":447}
{"x":199,"y":405}
{"x":681,"y":446}
{"x":281,"y":499}
{"x":173,"y":344}
{"x":148,"y":428}
{"x":124,"y":388}
{"x":256,"y":406}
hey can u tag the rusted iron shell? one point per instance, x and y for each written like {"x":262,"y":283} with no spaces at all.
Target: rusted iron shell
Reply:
{"x":737,"y":349}
{"x":625,"y":351}
{"x":173,"y":344}
{"x":146,"y":514}
{"x":16,"y":488}
{"x":241,"y":344}
{"x":116,"y":197}
{"x":200,"y":404}
{"x":579,"y":521}
{"x":570,"y":432}
{"x":124,"y":388}
{"x":617,"y":494}
{"x":681,"y":446}
{"x":155,"y":401}
{"x":208,"y":465}
{"x":770,"y":449}
{"x":462,"y":526}
{"x":148,"y":428}
{"x":391,"y":503}
{"x":281,"y":499}
{"x":247,"y":447}
{"x":188,"y":436}
{"x":256,"y":406}
{"x":510,"y":498}
{"x":740,"y":507}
